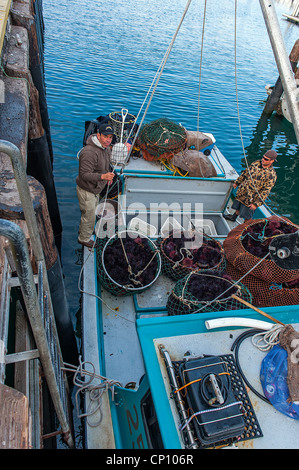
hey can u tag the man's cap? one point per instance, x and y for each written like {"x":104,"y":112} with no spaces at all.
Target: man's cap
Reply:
{"x":271,"y":154}
{"x":105,"y":129}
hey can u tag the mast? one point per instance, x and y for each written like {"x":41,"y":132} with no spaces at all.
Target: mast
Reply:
{"x":282,"y":62}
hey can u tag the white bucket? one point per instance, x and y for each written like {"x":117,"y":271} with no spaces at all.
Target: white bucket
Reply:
{"x":170,"y":225}
{"x":139,"y":225}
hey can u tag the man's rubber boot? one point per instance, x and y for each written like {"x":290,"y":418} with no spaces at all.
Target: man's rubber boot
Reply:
{"x":231,"y":217}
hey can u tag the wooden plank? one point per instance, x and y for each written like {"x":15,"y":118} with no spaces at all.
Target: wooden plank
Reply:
{"x":14,"y":419}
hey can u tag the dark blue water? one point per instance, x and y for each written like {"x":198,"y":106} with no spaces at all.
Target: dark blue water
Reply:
{"x":102,"y":56}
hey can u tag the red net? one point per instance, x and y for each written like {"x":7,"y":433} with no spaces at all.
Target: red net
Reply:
{"x":264,"y":293}
{"x":248,"y":243}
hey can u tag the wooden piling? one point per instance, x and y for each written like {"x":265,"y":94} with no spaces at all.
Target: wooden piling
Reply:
{"x":23,"y":122}
{"x":11,"y":209}
{"x":26,"y":14}
{"x":273,"y":100}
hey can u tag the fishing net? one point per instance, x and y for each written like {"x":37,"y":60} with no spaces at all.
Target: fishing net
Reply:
{"x":267,"y":294}
{"x":130,"y":127}
{"x":161,"y":139}
{"x":247,"y":244}
{"x":178,"y":259}
{"x":127,"y":263}
{"x":207,"y":291}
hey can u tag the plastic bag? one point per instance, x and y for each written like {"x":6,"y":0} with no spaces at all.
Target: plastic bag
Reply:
{"x":273,"y":376}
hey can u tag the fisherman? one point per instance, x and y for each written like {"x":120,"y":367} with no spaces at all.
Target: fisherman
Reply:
{"x":94,"y":174}
{"x":254,"y":186}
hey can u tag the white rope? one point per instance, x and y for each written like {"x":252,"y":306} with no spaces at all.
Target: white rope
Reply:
{"x":213,"y":410}
{"x":200,"y":67}
{"x":265,"y":341}
{"x":161,"y":67}
{"x":95,"y":391}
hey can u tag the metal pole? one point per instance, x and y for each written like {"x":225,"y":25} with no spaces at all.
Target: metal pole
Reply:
{"x":20,"y":253}
{"x":182,"y":410}
{"x":282,"y":62}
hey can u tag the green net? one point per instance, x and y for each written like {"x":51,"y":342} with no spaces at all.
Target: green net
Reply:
{"x":178,"y":260}
{"x":207,"y":291}
{"x":127,"y":263}
{"x":162,"y":136}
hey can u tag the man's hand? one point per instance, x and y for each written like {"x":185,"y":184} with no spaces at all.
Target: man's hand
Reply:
{"x":107,"y":177}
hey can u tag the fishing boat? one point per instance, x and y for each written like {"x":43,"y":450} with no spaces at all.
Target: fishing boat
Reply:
{"x":182,"y":375}
{"x":134,"y":345}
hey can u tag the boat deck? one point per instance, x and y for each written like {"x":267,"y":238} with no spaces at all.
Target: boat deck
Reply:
{"x":192,"y":337}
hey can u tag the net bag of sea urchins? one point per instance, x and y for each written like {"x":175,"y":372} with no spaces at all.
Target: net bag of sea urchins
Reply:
{"x":129,"y":263}
{"x":186,"y":251}
{"x":207,"y":291}
{"x":247,"y":248}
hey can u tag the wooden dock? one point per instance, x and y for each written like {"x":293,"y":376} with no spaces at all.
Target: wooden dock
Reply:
{"x":31,"y":378}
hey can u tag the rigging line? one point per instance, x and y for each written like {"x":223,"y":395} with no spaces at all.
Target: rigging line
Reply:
{"x":238,"y":113}
{"x":201,"y":58}
{"x":148,"y":92}
{"x":161,"y":71}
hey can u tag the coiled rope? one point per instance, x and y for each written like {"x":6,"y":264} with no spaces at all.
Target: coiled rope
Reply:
{"x":95,"y":391}
{"x":265,"y":341}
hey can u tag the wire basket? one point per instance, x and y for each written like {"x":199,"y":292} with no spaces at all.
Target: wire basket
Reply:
{"x":207,"y":291}
{"x":129,"y":125}
{"x":129,"y":263}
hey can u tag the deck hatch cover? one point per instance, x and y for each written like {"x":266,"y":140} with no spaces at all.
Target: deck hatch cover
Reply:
{"x":213,"y":434}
